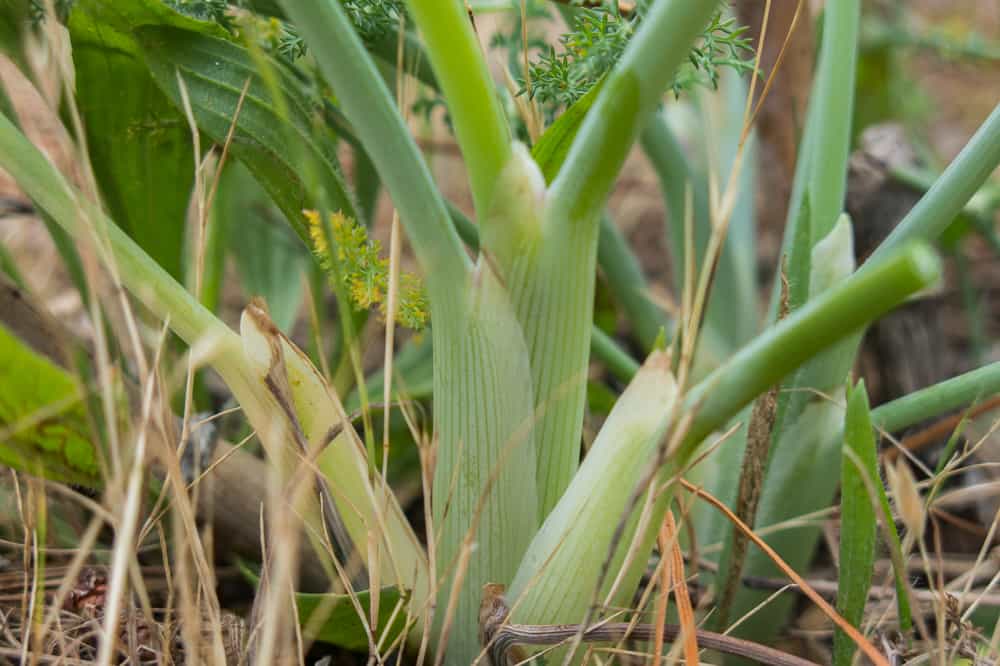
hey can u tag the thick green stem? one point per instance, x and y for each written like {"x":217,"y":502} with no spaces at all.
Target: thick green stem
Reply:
{"x":461,"y":72}
{"x":483,"y":499}
{"x":938,"y":399}
{"x":626,"y":280}
{"x":616,"y":258}
{"x":552,"y":288}
{"x":628,"y":284}
{"x":545,"y":589}
{"x":484,"y":494}
{"x":549,"y":263}
{"x":560,"y":571}
{"x":845,"y":308}
{"x":957,"y":184}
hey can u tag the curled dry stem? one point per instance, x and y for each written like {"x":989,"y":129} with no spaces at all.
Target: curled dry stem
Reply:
{"x":503,"y":639}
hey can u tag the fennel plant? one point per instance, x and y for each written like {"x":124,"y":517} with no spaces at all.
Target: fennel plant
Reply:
{"x":512,"y":499}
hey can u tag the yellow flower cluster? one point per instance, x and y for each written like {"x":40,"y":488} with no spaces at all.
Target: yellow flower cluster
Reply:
{"x":364,"y":273}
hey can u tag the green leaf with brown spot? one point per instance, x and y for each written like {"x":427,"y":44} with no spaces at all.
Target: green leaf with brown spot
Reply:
{"x":43,"y":423}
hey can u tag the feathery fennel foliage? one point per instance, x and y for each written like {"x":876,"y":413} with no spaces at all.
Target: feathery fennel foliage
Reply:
{"x":561,"y":74}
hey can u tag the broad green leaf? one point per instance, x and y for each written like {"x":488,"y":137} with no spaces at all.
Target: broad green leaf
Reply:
{"x":140,"y":149}
{"x":269,"y":256}
{"x":857,"y":520}
{"x":104,"y":17}
{"x":341,"y":625}
{"x":140,"y":145}
{"x":43,"y":422}
{"x":280,"y":141}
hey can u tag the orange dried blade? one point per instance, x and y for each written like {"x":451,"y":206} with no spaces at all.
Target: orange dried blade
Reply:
{"x":684,"y":609}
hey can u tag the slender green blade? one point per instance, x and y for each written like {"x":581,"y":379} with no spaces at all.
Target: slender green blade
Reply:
{"x":552,"y":147}
{"x":484,"y":493}
{"x":857,"y":520}
{"x":806,"y":438}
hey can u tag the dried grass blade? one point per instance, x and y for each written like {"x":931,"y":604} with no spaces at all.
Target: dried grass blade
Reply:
{"x":689,"y":630}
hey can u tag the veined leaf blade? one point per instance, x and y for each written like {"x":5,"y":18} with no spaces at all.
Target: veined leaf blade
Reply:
{"x":341,"y":625}
{"x":139,"y":144}
{"x":271,"y":136}
{"x":857,"y":520}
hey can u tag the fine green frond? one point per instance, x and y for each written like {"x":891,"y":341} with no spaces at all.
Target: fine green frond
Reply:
{"x":372,"y":19}
{"x":364,"y":273}
{"x":204,"y":10}
{"x":289,"y":43}
{"x":274,"y":35}
{"x":596,"y":39}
